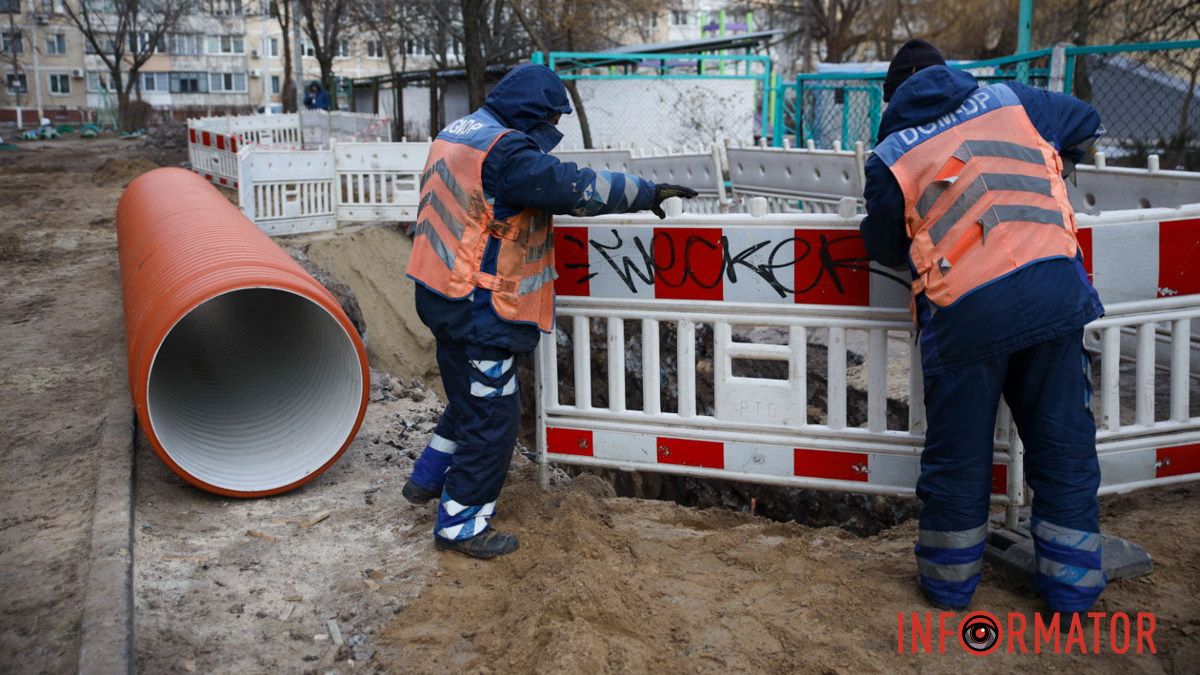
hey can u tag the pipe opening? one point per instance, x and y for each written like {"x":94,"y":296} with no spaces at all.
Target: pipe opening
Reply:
{"x":254,"y":389}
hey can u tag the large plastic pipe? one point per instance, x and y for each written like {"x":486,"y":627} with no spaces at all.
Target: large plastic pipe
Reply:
{"x":247,"y":376}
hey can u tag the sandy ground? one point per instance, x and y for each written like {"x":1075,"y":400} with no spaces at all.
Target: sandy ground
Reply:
{"x":600,"y":584}
{"x":60,"y":327}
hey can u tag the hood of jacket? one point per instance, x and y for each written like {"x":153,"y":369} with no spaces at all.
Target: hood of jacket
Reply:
{"x":929,"y":94}
{"x":526,"y":98}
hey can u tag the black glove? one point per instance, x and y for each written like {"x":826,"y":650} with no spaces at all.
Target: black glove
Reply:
{"x":664,"y":191}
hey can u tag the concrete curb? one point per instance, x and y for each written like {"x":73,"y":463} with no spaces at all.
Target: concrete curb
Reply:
{"x":106,"y":633}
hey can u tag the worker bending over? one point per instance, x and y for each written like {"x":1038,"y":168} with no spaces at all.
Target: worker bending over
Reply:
{"x":967,"y":189}
{"x":483,"y":261}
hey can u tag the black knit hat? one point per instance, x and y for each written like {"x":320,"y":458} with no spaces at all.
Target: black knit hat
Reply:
{"x":913,"y":56}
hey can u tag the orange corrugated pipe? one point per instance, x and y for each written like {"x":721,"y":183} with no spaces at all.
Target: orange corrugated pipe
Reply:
{"x":247,"y":376}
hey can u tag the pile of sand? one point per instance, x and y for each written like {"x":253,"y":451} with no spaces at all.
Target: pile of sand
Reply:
{"x":119,"y":171}
{"x":372,"y":263}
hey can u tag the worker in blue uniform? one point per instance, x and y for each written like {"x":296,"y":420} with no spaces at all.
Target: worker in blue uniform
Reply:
{"x":483,"y":263}
{"x":960,"y":168}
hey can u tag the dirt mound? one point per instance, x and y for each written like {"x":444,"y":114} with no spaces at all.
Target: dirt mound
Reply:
{"x":605,"y":584}
{"x":372,"y":263}
{"x":119,"y":171}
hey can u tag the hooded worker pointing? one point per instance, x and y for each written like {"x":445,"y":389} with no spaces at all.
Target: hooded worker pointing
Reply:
{"x":483,"y":260}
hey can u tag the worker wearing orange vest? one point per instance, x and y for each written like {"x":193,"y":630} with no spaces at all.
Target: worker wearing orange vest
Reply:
{"x":966,"y":188}
{"x":483,"y":260}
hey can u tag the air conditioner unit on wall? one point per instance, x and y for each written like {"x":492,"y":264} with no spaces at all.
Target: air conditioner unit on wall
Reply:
{"x":77,"y":73}
{"x":254,"y":53}
{"x":256,"y":73}
{"x":42,"y":19}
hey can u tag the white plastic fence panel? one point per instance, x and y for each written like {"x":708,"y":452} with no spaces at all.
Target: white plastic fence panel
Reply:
{"x":213,"y":155}
{"x":608,"y":160}
{"x":821,"y":177}
{"x":378,"y":181}
{"x":1100,"y":189}
{"x":695,"y":170}
{"x":288,"y":191}
{"x":736,"y":291}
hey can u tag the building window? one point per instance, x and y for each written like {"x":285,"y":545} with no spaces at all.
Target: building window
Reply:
{"x":10,"y":6}
{"x":275,"y":84}
{"x":225,"y":7}
{"x":227,"y":82}
{"x":187,"y":44}
{"x":343,"y":49}
{"x":108,"y":42}
{"x":154,"y":82}
{"x":56,"y":44}
{"x":98,"y":80}
{"x":374,"y":49}
{"x":416,"y":47}
{"x":12,"y":42}
{"x":140,"y":43}
{"x":679,"y":17}
{"x":16,"y":83}
{"x":189,"y":83}
{"x":225,"y":44}
{"x":272,"y":47}
{"x":52,"y":7}
{"x":308,"y":49}
{"x":60,"y":83}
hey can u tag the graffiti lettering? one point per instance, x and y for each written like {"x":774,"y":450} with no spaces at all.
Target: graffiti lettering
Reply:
{"x":704,"y":263}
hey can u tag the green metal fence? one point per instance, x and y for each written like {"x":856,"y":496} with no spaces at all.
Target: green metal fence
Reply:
{"x":1148,"y":96}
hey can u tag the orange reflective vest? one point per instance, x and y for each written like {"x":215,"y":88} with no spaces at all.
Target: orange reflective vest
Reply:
{"x":983,"y":195}
{"x":454,"y":222}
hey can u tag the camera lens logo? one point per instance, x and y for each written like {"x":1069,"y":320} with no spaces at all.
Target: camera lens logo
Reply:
{"x":979,"y":633}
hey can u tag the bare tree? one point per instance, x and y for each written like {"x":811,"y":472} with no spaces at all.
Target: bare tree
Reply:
{"x":472,"y":20}
{"x":282,"y":11}
{"x":125,"y":34}
{"x":581,"y":25}
{"x":385,"y":22}
{"x":323,"y":23}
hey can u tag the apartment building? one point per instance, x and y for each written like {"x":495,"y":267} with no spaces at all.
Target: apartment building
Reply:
{"x":228,"y":58}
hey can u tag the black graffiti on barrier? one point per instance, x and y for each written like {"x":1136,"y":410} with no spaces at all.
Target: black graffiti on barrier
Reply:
{"x":784,"y":254}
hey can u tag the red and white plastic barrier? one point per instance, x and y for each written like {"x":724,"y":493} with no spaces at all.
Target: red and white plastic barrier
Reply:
{"x":776,"y":286}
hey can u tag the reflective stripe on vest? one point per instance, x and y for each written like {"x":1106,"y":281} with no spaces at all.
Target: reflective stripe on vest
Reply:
{"x":455,"y":222}
{"x":983,"y":195}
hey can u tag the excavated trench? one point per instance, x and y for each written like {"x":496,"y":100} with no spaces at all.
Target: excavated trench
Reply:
{"x":861,"y":514}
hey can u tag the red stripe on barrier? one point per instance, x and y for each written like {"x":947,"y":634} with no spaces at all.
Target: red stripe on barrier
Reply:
{"x":831,"y":268}
{"x":830,"y":464}
{"x":206,"y":138}
{"x":999,"y":479}
{"x":688,"y":452}
{"x":223,"y":181}
{"x":1177,"y":461}
{"x":220,"y":142}
{"x":569,"y":442}
{"x":571,"y":261}
{"x":192,"y":135}
{"x":208,"y":176}
{"x":689,"y":264}
{"x":1178,"y":257}
{"x":233,"y":144}
{"x":1085,"y":247}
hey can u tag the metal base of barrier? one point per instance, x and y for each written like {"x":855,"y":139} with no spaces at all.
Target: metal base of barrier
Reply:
{"x":1013,"y":549}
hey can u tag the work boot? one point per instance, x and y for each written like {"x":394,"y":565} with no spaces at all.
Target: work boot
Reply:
{"x":417,"y":494}
{"x":485,"y":546}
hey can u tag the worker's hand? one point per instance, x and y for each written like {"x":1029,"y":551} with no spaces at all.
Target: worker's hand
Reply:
{"x":664,"y":191}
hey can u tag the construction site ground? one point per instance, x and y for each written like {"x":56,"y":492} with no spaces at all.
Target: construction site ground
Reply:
{"x":341,"y":575}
